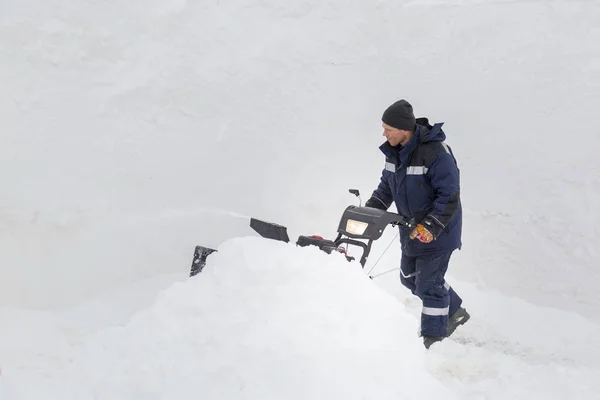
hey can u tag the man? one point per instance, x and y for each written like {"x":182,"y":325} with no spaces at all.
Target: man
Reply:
{"x":421,"y":177}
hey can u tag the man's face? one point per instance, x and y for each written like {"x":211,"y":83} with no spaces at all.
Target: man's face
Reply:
{"x":396,"y":136}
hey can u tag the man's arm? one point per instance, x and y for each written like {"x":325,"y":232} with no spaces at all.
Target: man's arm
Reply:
{"x":382,"y":196}
{"x":445,"y":180}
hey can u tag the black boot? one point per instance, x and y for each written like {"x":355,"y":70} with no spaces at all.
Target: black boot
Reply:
{"x":460,"y":317}
{"x":429,"y":340}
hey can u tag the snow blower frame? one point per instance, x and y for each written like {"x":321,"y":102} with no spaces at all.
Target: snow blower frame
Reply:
{"x":356,"y":224}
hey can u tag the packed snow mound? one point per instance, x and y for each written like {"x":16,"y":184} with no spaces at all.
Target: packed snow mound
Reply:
{"x":265,"y":320}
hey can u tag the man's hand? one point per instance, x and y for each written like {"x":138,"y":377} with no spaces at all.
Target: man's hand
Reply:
{"x":421,"y":233}
{"x":375,"y":202}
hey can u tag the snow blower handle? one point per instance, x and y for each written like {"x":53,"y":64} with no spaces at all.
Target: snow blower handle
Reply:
{"x":405,"y":222}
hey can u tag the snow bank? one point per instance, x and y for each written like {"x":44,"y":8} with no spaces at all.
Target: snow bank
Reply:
{"x":266,"y":320}
{"x":263,"y":320}
{"x":270,"y":320}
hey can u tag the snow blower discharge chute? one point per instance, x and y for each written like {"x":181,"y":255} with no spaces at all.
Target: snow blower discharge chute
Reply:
{"x":357,"y":225}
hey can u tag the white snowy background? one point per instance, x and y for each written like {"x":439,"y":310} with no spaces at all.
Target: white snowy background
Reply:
{"x":132,"y":131}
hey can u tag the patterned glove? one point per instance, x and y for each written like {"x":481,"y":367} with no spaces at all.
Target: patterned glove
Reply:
{"x":421,"y":233}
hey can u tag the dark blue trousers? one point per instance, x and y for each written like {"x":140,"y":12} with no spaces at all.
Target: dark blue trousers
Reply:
{"x":424,"y":276}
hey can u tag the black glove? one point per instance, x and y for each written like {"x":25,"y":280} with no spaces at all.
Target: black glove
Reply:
{"x":374,"y":202}
{"x":433,"y":225}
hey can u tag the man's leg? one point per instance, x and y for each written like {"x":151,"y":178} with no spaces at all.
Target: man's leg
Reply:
{"x":455,"y":300}
{"x":408,"y":266}
{"x":433,"y":291}
{"x":457,"y":315}
{"x":407,"y":272}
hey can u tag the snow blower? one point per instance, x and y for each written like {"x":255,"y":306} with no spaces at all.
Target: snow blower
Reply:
{"x":357,"y":225}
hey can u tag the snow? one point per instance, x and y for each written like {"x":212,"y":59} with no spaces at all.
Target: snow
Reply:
{"x":129,"y":133}
{"x":251,"y":327}
{"x":297,"y":323}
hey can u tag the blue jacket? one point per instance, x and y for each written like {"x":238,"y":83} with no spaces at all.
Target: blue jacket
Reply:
{"x":423,"y":180}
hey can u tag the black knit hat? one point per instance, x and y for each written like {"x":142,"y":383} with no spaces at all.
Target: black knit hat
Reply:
{"x":400,"y":116}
